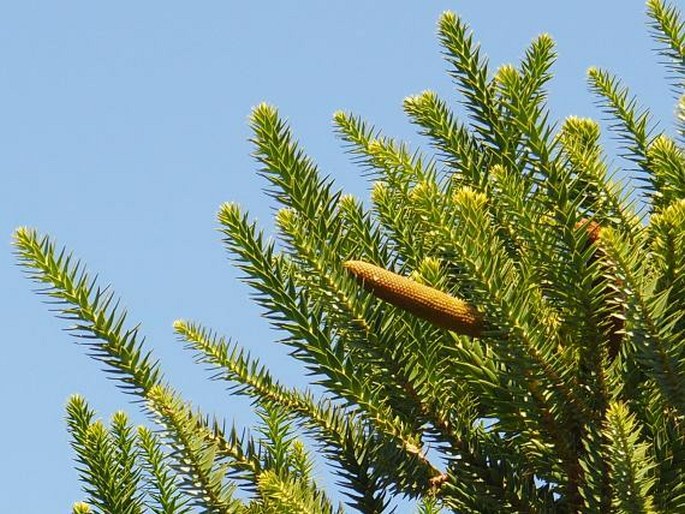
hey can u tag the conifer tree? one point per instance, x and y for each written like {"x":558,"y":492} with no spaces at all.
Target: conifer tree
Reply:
{"x":500,"y":330}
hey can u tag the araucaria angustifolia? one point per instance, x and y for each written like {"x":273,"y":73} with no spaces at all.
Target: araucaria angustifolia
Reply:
{"x":500,"y":329}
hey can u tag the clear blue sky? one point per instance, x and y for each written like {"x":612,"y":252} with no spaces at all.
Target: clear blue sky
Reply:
{"x":123,"y":127}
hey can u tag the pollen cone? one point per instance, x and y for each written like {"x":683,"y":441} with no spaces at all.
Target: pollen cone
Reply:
{"x":423,"y":301}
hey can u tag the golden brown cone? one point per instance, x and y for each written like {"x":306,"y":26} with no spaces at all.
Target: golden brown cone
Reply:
{"x":423,"y":301}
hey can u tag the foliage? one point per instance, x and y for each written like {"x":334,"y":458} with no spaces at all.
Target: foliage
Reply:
{"x":567,"y":394}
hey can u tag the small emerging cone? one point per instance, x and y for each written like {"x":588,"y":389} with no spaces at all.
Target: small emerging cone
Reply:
{"x":593,"y":229}
{"x":423,"y":301}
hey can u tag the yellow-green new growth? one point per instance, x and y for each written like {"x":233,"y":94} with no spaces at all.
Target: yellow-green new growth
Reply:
{"x":423,"y":301}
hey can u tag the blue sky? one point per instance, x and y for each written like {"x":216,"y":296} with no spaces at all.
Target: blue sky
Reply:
{"x":124,"y":128}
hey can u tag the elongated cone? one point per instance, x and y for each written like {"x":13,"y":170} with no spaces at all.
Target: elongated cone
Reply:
{"x":423,"y":301}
